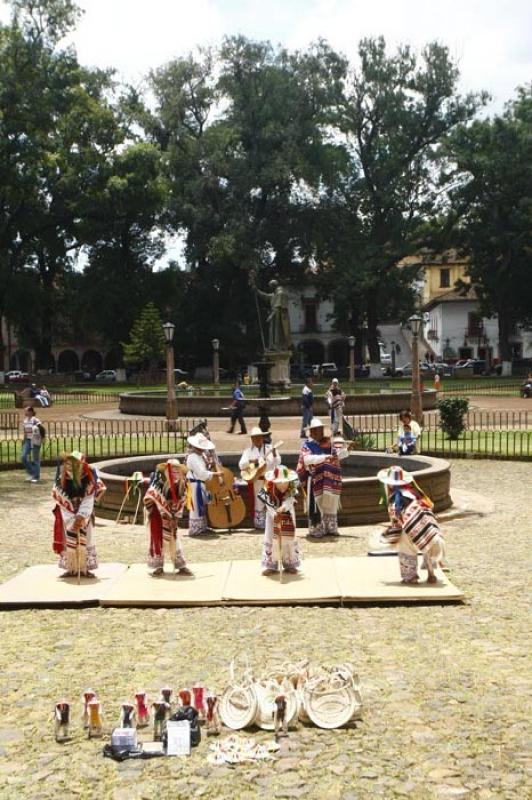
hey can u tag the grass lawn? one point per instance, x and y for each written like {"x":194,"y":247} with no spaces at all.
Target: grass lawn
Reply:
{"x":97,"y":446}
{"x":501,"y":442}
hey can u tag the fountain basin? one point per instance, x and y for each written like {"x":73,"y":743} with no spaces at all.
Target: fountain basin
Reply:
{"x":361,"y":491}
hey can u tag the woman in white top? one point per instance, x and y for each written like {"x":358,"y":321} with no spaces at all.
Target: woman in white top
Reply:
{"x":408,"y":434}
{"x":256,"y":455}
{"x":198,"y":473}
{"x":31,"y":445}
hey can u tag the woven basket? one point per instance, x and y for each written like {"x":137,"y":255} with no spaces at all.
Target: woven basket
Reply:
{"x":329,"y":708}
{"x":238,"y":706}
{"x":266,"y":693}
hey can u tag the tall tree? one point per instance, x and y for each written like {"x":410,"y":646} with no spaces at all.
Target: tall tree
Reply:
{"x":396,"y":111}
{"x":492,"y":209}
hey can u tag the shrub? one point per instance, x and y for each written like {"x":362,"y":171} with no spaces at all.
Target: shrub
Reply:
{"x":452,"y":415}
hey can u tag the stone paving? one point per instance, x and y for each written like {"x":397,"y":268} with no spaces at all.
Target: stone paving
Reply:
{"x":446,"y":688}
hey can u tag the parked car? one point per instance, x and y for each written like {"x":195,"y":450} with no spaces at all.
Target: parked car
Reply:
{"x":405,"y":371}
{"x":83,"y":376}
{"x":106,"y":376}
{"x":16,"y":376}
{"x":478,"y":365}
{"x":329,"y":370}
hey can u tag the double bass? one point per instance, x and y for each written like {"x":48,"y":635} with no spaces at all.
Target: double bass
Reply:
{"x":226,"y":509}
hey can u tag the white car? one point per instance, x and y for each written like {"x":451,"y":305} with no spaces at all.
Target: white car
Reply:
{"x":106,"y":376}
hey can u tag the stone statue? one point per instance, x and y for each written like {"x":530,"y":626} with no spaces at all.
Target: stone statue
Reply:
{"x":279,"y":336}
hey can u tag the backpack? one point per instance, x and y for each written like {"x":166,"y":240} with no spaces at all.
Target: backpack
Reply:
{"x":42,"y":430}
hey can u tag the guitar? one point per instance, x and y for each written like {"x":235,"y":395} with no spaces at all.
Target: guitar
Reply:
{"x":254,"y":471}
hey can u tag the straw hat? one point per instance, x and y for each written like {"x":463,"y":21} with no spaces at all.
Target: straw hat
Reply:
{"x":200,"y":441}
{"x":281,"y":474}
{"x":395,"y":476}
{"x":256,"y":431}
{"x":315,"y":423}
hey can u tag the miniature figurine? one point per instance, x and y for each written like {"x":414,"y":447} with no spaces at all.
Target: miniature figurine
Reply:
{"x":128,"y":716}
{"x":143,"y":712}
{"x":62,"y":721}
{"x":199,"y":703}
{"x":185,"y":696}
{"x":95,"y":719}
{"x":161,"y":709}
{"x":279,"y":717}
{"x":213,"y":718}
{"x":88,"y":695}
{"x":166,"y":694}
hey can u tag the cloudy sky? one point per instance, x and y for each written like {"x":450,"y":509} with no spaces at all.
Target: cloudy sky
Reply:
{"x":491,"y":39}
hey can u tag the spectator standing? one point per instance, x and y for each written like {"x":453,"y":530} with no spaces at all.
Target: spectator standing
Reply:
{"x":307,"y":405}
{"x":336,"y":401}
{"x":31,"y":445}
{"x":237,"y":409}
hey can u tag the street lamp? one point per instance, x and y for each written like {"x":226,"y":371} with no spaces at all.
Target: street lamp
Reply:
{"x":393,"y":360}
{"x":216,"y":363}
{"x":351,"y":341}
{"x":171,"y":402}
{"x":417,"y":403}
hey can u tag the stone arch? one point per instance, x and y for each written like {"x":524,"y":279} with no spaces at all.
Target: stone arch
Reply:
{"x":339,"y":352}
{"x":92,"y":361}
{"x":68,"y":361}
{"x":313,"y":351}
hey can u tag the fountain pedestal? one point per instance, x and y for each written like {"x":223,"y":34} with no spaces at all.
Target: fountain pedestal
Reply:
{"x":279,"y":373}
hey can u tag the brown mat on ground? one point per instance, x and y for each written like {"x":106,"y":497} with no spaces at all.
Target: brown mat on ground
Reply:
{"x":378,"y":580}
{"x":322,"y":580}
{"x":315,"y":583}
{"x":41,"y":586}
{"x":138,"y":588}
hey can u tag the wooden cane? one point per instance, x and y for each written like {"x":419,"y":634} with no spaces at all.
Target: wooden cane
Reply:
{"x":123,"y":504}
{"x":79,"y":556}
{"x":137,"y":509}
{"x":281,"y":568}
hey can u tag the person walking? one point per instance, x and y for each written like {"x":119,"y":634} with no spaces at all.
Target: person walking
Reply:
{"x":307,"y":405}
{"x":31,"y":445}
{"x":336,"y":401}
{"x":237,"y":409}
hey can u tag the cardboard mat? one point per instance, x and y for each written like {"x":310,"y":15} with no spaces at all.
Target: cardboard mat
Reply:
{"x":321,"y":580}
{"x":377,"y":580}
{"x":41,"y":587}
{"x":138,"y":588}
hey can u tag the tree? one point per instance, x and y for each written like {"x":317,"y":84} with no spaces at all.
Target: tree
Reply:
{"x":57,"y":128}
{"x":395,"y":112}
{"x":492,"y":210}
{"x":146,"y":340}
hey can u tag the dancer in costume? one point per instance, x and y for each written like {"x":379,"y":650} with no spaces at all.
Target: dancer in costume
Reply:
{"x":413,"y":525}
{"x":75,"y":491}
{"x":255,"y":461}
{"x":319,"y":469}
{"x":279,"y":496}
{"x":201,"y":466}
{"x":164,"y":502}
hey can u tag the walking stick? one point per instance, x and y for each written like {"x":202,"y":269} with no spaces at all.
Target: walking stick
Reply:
{"x":79,"y":556}
{"x":281,"y":568}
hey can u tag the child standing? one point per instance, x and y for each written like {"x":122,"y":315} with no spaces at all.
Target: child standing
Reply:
{"x":279,"y":497}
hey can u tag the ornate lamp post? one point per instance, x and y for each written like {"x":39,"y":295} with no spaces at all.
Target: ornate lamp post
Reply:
{"x":417,"y":402}
{"x":352,"y":341}
{"x":171,"y":402}
{"x":393,"y":360}
{"x":216,"y":363}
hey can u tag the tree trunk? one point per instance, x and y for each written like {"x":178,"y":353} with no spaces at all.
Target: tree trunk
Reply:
{"x":373,"y":341}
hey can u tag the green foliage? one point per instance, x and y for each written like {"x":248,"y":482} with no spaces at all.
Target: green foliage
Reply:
{"x":492,"y":210}
{"x":452,"y":413}
{"x":146,"y":341}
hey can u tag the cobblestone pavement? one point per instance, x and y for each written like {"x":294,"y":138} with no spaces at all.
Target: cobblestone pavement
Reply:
{"x":445,"y":687}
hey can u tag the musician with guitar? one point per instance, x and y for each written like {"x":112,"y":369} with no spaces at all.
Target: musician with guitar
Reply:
{"x":197,"y":475}
{"x":255,"y":460}
{"x":319,"y":471}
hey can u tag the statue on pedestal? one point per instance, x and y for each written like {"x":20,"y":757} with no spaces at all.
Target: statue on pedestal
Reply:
{"x":279,"y":336}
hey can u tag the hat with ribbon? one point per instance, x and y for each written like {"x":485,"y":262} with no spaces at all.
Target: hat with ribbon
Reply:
{"x":281,"y":474}
{"x":395,"y":476}
{"x":200,"y":442}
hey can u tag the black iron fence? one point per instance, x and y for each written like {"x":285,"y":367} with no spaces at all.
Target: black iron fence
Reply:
{"x":99,"y":439}
{"x":488,"y":434}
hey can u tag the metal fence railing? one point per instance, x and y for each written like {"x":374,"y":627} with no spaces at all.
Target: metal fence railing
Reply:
{"x":99,"y":439}
{"x":9,"y":420}
{"x":489,"y":434}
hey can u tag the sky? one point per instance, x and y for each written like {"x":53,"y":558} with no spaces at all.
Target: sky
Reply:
{"x":491,"y":39}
